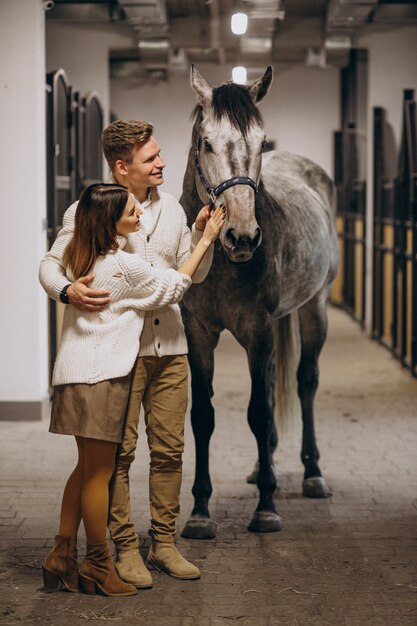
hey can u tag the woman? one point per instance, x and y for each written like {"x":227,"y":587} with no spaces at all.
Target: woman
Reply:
{"x":92,"y":374}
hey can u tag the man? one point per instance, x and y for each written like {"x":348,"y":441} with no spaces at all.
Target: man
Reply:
{"x":159,"y":379}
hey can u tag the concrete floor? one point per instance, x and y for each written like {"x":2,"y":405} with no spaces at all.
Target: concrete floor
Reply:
{"x":349,"y":560}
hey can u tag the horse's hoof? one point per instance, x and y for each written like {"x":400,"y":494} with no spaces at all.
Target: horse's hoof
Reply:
{"x":199,"y":527}
{"x":315,"y":487}
{"x":265,"y":522}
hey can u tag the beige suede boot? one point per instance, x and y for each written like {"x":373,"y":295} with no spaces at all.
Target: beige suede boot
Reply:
{"x":132,"y":569}
{"x":166,"y":558}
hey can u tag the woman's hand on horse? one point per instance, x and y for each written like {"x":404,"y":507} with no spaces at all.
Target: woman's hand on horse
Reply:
{"x":202,"y":217}
{"x":215,"y":224}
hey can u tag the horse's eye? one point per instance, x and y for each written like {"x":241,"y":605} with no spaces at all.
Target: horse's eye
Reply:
{"x":263,"y":142}
{"x":207,"y":146}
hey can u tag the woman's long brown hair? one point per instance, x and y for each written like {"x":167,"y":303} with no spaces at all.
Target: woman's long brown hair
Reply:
{"x":95,"y":234}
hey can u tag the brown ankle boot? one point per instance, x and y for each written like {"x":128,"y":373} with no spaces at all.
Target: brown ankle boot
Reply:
{"x":98,"y":574}
{"x":60,"y":570}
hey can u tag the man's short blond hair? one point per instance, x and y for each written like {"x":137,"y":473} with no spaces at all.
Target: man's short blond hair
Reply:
{"x":120,"y":138}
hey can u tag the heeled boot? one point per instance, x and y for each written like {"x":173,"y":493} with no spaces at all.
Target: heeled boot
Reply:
{"x":98,"y":574}
{"x":165,"y":557}
{"x":60,"y":569}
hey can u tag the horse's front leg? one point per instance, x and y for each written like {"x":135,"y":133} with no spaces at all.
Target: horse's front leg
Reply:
{"x":252,"y":478}
{"x":201,"y":346}
{"x":261,"y":421}
{"x":313,"y":332}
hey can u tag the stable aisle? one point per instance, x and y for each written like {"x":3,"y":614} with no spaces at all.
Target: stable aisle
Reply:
{"x":349,"y":560}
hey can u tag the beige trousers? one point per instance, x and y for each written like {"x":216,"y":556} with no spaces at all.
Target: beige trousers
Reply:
{"x":161,"y":385}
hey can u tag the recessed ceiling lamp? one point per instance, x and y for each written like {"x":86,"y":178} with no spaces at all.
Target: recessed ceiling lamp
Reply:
{"x":239,"y":23}
{"x":239,"y":75}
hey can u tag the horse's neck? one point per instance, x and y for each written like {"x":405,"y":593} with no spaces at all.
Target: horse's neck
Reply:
{"x":269,"y":214}
{"x":274,"y":227}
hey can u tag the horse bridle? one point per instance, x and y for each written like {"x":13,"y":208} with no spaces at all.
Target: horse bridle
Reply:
{"x":213,"y":192}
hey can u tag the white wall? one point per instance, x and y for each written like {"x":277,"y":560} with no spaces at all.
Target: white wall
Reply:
{"x":23,"y":312}
{"x":300,"y":113}
{"x":392,"y":68}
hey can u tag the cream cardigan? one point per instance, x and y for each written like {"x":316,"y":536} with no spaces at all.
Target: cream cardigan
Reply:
{"x":166,"y":245}
{"x":100,"y":346}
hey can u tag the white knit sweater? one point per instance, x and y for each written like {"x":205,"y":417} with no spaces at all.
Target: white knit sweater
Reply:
{"x":167,"y":244}
{"x":100,"y":346}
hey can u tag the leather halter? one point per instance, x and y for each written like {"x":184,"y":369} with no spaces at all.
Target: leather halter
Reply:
{"x":213,"y":192}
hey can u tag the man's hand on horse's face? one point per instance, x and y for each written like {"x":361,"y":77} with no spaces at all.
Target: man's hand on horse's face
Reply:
{"x":84,"y":298}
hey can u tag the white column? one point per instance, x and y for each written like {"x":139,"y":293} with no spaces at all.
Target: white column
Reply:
{"x":23,"y":310}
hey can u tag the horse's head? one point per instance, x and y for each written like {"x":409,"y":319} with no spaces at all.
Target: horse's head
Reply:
{"x":229,"y":137}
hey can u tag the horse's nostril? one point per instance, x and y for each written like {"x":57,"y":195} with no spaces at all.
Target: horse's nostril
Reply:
{"x":242,"y":242}
{"x":257,"y":239}
{"x":231,"y":237}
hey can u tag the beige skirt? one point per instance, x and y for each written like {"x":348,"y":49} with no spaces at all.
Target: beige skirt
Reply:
{"x":95,"y":411}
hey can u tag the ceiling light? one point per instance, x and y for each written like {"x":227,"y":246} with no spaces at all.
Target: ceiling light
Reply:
{"x":239,"y":75}
{"x":239,"y":23}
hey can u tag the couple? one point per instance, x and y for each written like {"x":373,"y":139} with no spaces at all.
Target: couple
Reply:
{"x":127,"y":250}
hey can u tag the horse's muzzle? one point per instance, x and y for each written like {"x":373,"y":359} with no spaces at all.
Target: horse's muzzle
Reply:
{"x":240,"y":248}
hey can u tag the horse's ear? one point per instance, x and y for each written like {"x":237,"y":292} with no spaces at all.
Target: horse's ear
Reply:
{"x":260,"y":87}
{"x":201,"y":87}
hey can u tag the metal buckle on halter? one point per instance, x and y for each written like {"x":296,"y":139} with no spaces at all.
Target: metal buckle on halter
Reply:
{"x":212,"y":197}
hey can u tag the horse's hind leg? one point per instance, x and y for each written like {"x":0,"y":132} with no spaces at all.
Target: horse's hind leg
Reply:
{"x":201,"y":358}
{"x":313,"y":332}
{"x":261,"y":421}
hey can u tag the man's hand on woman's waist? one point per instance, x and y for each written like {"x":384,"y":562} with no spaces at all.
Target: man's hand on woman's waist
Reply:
{"x":84,"y":298}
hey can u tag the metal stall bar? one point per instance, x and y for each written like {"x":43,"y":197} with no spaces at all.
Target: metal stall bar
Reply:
{"x":378,"y":234}
{"x":403,"y":248}
{"x":414,"y":277}
{"x":410,"y":174}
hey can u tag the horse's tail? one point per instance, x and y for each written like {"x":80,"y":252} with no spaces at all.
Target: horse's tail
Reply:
{"x":287,"y":358}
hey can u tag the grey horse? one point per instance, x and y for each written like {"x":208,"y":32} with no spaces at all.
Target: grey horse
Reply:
{"x":268,"y":284}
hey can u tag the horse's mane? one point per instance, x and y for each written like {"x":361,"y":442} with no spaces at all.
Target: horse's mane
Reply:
{"x":234,"y":102}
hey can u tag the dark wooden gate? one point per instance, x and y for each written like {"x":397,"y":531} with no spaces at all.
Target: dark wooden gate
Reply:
{"x":394,"y":319}
{"x":93,"y":126}
{"x":74,"y":160}
{"x":59,"y":170}
{"x":350,"y":177}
